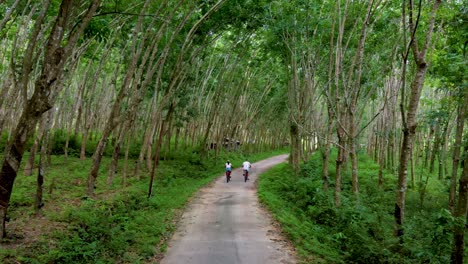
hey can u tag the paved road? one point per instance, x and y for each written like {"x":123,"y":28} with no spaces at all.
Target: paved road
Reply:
{"x":225,"y":224}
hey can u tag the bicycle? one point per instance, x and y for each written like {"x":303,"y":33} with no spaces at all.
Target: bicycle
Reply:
{"x":246,"y":175}
{"x":228,"y":176}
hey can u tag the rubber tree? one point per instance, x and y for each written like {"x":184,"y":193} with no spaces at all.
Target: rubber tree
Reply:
{"x":450,"y":67}
{"x":138,"y":46}
{"x":178,"y":75}
{"x":409,"y":111}
{"x":355,"y":94}
{"x":58,"y":49}
{"x":297,"y":38}
{"x":460,"y":213}
{"x":154,"y":69}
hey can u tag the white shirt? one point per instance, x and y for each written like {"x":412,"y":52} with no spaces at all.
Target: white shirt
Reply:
{"x":246,"y":165}
{"x":228,"y":166}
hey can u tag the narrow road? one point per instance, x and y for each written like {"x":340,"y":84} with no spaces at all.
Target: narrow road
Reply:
{"x":225,"y":224}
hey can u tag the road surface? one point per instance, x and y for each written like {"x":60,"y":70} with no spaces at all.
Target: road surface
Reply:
{"x":225,"y":224}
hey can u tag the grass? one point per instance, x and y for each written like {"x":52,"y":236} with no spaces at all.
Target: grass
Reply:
{"x":121,"y":226}
{"x":361,"y":230}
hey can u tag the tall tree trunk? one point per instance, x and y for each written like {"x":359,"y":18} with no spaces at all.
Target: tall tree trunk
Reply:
{"x":42,"y":164}
{"x":98,"y":154}
{"x":150,"y":142}
{"x":115,"y":156}
{"x":84,"y":139}
{"x":353,"y":157}
{"x":390,"y":164}
{"x":296,"y":147}
{"x":460,"y":213}
{"x":339,"y":166}
{"x":461,"y":114}
{"x":125,"y":166}
{"x":330,"y":111}
{"x":435,"y":148}
{"x":409,"y":118}
{"x":356,"y":72}
{"x":157,"y":155}
{"x":326,"y":152}
{"x":340,"y":162}
{"x":29,"y":167}
{"x":427,"y":151}
{"x":382,"y":148}
{"x":148,"y":134}
{"x":443,"y":149}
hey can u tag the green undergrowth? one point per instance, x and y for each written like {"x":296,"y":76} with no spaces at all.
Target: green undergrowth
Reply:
{"x":361,"y":229}
{"x":120,"y":226}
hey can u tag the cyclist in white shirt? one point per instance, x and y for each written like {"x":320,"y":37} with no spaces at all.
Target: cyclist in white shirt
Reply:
{"x":228,"y":166}
{"x":246,"y":167}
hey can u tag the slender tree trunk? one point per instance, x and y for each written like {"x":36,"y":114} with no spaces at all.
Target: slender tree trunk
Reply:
{"x":29,"y":167}
{"x":149,"y":164}
{"x":147,"y":142}
{"x":326,"y":152}
{"x":97,"y":158}
{"x":410,"y":118}
{"x":125,"y":166}
{"x":115,"y":156}
{"x":296,"y":147}
{"x":381,"y":161}
{"x":156,"y":157}
{"x":42,"y":164}
{"x":356,"y":71}
{"x":427,"y":151}
{"x":79,"y":106}
{"x":354,"y":160}
{"x":443,"y":149}
{"x":462,"y":109}
{"x":375,"y":151}
{"x":207,"y":132}
{"x":340,"y":162}
{"x":402,"y":181}
{"x":435,"y":148}
{"x":390,"y":164}
{"x":339,"y":165}
{"x":84,"y":139}
{"x":330,"y":111}
{"x":168,"y":136}
{"x":460,"y":213}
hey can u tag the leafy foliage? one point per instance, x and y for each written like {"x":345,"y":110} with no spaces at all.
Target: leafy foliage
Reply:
{"x":361,"y":230}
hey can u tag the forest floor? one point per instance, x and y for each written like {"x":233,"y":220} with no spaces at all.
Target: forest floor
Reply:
{"x":225,"y":223}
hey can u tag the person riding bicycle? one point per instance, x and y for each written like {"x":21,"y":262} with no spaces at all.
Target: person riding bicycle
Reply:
{"x":246,"y":167}
{"x":228,"y":166}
